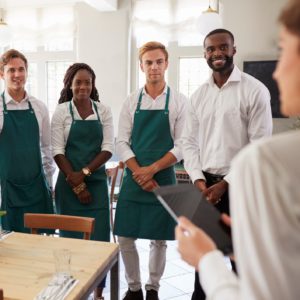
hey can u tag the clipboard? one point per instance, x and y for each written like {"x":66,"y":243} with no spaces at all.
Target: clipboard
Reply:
{"x":186,"y":200}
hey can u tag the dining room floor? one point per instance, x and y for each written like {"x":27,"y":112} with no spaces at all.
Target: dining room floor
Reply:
{"x":177,"y":282}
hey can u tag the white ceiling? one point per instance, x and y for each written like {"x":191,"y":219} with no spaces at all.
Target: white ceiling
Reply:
{"x":101,"y":5}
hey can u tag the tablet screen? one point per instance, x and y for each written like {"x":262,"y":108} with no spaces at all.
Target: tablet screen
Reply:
{"x":186,"y":200}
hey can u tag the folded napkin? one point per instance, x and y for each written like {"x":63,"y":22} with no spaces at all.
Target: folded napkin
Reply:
{"x":4,"y":234}
{"x":58,"y":288}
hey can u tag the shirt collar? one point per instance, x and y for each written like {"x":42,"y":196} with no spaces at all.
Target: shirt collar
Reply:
{"x":235,"y":76}
{"x":163,"y":93}
{"x":9,"y":99}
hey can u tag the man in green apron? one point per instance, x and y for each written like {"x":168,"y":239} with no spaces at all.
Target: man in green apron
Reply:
{"x":24,"y":140}
{"x":150,"y":127}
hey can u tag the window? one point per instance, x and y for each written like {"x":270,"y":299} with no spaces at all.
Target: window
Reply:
{"x":193,"y":71}
{"x":175,"y":24}
{"x":32,"y":82}
{"x":55,"y":74}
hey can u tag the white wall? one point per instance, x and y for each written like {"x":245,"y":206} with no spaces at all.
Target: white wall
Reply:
{"x":103,"y":43}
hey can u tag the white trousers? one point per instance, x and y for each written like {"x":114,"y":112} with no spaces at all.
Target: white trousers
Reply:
{"x":156,"y":265}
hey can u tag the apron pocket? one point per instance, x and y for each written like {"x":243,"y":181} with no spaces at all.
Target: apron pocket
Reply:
{"x":21,"y":195}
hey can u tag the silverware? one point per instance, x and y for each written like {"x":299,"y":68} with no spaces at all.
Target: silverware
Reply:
{"x":54,"y":287}
{"x":4,"y":233}
{"x":63,"y":292}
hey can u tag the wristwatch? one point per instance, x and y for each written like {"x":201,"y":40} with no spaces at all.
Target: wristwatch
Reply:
{"x":86,"y":171}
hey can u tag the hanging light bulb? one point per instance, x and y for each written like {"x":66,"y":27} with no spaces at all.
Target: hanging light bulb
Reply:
{"x":209,"y":20}
{"x":5,"y":33}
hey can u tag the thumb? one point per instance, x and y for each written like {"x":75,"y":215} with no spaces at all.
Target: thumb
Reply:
{"x":186,"y":224}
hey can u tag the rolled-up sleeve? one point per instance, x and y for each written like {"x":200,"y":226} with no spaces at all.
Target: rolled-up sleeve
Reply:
{"x":57,"y":130}
{"x":108,"y":130}
{"x":45,"y":133}
{"x":123,"y":148}
{"x":179,"y":122}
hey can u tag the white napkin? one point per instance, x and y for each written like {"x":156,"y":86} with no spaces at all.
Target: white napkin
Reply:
{"x":57,"y":288}
{"x":4,"y":234}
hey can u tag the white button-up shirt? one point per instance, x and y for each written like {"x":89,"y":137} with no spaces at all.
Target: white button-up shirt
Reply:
{"x":265,"y":207}
{"x":221,"y":121}
{"x":42,"y":115}
{"x":177,"y":104}
{"x":62,"y":120}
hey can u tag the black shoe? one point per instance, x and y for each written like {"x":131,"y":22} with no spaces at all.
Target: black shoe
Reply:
{"x":152,"y":295}
{"x":137,"y":295}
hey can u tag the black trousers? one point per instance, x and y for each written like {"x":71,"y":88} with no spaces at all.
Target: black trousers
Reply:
{"x":222,"y":206}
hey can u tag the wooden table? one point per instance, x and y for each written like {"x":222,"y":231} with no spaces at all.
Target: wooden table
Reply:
{"x":27,"y":265}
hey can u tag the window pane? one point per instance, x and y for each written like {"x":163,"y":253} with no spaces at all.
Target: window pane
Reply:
{"x":193,"y":71}
{"x":55,"y":74}
{"x":31,"y":83}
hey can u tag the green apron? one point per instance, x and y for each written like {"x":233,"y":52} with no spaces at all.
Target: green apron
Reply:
{"x":83,"y":145}
{"x":139,"y":214}
{"x":24,"y":188}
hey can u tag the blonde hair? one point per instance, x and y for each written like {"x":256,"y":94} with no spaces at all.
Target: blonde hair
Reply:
{"x":153,"y":46}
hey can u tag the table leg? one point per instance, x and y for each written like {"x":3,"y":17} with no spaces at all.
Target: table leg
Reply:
{"x":114,"y":281}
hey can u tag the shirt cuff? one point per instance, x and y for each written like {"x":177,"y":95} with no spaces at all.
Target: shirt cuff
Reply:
{"x":214,"y":274}
{"x":197,"y":175}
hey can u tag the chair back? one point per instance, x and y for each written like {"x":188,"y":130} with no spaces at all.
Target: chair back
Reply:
{"x":116,"y":174}
{"x":62,"y":222}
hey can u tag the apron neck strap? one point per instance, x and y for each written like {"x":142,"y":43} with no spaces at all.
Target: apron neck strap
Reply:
{"x":167,"y":101}
{"x":4,"y":103}
{"x":71,"y":110}
{"x":96,"y":110}
{"x":5,"y":107}
{"x":72,"y":113}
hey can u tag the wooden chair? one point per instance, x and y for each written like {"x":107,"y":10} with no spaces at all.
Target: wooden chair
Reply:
{"x":1,"y":294}
{"x":116,"y":175}
{"x":62,"y":222}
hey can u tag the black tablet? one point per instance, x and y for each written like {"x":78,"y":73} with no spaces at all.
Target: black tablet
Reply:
{"x":186,"y":200}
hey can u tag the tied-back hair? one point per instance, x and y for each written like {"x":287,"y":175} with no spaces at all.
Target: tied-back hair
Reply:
{"x":66,"y":93}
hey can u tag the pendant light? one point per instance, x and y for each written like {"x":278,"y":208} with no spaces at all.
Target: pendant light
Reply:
{"x":209,"y":20}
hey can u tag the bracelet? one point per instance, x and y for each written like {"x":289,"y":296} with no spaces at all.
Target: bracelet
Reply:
{"x":79,"y":188}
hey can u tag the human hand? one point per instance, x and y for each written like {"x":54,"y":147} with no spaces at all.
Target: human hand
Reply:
{"x":200,"y":184}
{"x":226,"y":219}
{"x":214,"y":193}
{"x":75,"y":178}
{"x":85,"y":197}
{"x":193,"y":242}
{"x":143,"y":174}
{"x":150,"y":185}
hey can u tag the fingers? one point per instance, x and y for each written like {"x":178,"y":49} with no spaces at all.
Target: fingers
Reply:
{"x":226,"y":219}
{"x":150,"y":185}
{"x":186,"y":225}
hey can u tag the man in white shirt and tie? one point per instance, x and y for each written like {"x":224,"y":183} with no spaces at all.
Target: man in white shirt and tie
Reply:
{"x":228,"y":111}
